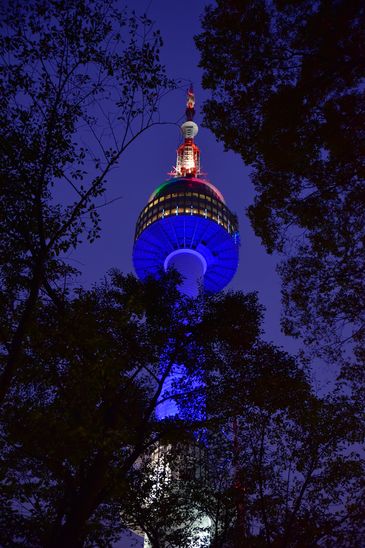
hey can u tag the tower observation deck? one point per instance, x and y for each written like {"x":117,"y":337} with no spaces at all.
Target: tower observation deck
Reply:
{"x":186,"y":223}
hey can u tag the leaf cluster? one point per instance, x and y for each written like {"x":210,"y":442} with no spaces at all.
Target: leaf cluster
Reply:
{"x":79,"y":82}
{"x":287,"y":95}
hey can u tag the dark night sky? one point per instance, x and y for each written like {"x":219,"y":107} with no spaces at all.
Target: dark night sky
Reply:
{"x":146,"y":163}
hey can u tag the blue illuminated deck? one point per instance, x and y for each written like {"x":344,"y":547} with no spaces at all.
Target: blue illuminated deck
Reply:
{"x":212,"y":240}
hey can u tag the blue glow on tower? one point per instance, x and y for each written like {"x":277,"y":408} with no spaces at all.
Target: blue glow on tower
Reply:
{"x":187,"y":224}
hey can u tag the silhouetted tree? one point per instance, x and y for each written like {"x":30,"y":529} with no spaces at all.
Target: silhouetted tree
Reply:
{"x":83,"y":409}
{"x":275,"y":464}
{"x":79,"y":82}
{"x":289,"y":476}
{"x":251,"y":446}
{"x":288,"y":96}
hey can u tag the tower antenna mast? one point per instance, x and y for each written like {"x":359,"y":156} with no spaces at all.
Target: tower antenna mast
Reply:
{"x":188,"y":153}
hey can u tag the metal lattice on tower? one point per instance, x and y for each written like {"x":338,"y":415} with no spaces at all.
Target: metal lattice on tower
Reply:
{"x":187,"y":224}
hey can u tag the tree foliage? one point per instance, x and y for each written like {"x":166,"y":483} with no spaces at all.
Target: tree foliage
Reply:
{"x":288,"y":96}
{"x":83,"y":410}
{"x":85,"y":454}
{"x":287,"y":477}
{"x":274,"y":464}
{"x":79,"y":81}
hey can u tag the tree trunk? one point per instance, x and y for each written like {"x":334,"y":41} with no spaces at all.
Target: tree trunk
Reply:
{"x":71,"y":534}
{"x":16,"y":347}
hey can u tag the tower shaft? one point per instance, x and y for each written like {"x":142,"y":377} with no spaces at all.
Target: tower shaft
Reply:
{"x":186,"y":225}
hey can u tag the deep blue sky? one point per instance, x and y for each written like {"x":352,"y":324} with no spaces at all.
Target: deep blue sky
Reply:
{"x":146,"y":163}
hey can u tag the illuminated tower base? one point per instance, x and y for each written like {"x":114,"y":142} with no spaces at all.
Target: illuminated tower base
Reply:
{"x":187,"y":225}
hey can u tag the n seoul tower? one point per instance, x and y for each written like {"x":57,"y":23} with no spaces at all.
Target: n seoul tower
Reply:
{"x":187,"y":225}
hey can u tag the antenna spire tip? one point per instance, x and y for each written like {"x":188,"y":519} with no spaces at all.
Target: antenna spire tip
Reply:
{"x":190,"y":104}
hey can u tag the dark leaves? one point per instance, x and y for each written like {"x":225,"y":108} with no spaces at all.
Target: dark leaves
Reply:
{"x":287,"y":94}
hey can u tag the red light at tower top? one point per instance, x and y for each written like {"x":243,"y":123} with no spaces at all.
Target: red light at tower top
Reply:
{"x":188,"y":154}
{"x":190,"y":104}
